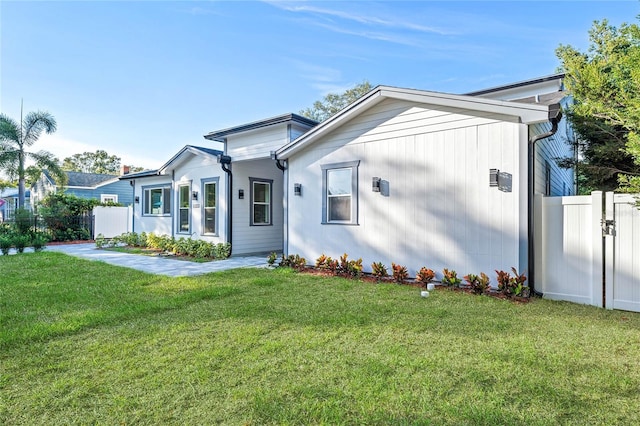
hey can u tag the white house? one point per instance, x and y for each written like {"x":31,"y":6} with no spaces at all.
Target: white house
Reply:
{"x":234,"y":195}
{"x":425,"y":179}
{"x":407,"y":176}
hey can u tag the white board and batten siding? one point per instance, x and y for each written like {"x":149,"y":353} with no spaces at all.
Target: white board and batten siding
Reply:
{"x":256,"y":144}
{"x":249,"y":238}
{"x":436,"y":209}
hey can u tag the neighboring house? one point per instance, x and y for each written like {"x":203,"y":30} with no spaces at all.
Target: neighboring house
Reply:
{"x":103,"y":187}
{"x":407,"y":176}
{"x":231,"y":195}
{"x":9,"y":202}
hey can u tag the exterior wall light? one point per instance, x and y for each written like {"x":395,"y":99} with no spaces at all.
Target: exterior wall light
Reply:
{"x":297,"y":189}
{"x":194,"y":195}
{"x":493,"y":177}
{"x":241,"y":194}
{"x":375,"y":184}
{"x":137,"y":199}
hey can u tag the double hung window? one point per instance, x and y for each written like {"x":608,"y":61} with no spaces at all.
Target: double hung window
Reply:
{"x":340,"y":193}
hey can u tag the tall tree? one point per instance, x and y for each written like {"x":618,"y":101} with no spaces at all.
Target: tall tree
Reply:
{"x":605,"y":84}
{"x":334,"y":102}
{"x":92,"y":162}
{"x":16,"y":138}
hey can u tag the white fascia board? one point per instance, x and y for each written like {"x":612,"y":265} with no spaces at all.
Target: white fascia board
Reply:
{"x":526,"y":113}
{"x":373,"y":98}
{"x":187,"y":148}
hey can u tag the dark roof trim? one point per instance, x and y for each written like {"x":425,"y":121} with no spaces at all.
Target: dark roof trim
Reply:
{"x":187,"y":148}
{"x":144,"y":173}
{"x":551,"y":77}
{"x":220,"y":135}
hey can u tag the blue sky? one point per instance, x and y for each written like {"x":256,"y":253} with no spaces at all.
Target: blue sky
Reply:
{"x":142,"y":79}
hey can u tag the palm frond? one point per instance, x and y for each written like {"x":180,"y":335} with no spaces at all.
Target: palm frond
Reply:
{"x":46,"y":160}
{"x":34,"y":124}
{"x":9,"y":131}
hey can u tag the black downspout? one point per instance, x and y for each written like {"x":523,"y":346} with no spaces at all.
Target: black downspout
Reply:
{"x":555,"y":115}
{"x":226,"y":168}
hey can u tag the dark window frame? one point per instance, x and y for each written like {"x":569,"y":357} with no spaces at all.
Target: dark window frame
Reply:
{"x":354,"y":166}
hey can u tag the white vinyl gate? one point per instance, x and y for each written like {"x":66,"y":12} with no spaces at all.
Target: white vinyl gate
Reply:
{"x":587,"y":254}
{"x":622,"y":249}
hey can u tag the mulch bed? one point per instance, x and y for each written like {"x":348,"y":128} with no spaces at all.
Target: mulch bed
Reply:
{"x":64,"y":243}
{"x":388,"y":280}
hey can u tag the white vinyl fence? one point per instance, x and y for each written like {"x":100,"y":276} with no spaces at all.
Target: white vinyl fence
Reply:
{"x":112,"y":221}
{"x":584,"y":253}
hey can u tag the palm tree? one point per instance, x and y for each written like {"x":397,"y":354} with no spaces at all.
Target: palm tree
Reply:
{"x":16,"y":138}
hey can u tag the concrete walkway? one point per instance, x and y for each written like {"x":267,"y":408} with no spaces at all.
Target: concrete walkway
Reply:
{"x":156,"y":264}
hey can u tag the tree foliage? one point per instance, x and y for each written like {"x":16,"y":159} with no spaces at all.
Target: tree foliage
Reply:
{"x":92,"y":162}
{"x":605,"y":84}
{"x":16,"y":138}
{"x":334,"y":102}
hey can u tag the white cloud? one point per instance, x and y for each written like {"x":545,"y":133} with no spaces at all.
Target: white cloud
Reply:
{"x":364,"y":19}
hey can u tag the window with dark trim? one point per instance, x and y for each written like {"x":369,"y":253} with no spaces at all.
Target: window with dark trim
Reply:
{"x":184,"y":208}
{"x":340,"y":193}
{"x":261,"y":196}
{"x":210,"y":206}
{"x":156,"y":201}
{"x":547,"y":178}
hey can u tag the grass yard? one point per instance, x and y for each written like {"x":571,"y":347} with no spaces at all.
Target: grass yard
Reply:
{"x":88,"y":343}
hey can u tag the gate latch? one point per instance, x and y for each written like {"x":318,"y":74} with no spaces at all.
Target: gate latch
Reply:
{"x":608,"y":227}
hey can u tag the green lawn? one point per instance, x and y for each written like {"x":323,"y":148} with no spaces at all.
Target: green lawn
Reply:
{"x":88,"y":343}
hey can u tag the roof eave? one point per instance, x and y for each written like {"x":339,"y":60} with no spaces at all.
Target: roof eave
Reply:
{"x":526,"y":113}
{"x":221,"y":135}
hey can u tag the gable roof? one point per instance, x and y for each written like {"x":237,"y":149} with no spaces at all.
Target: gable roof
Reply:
{"x":519,"y":84}
{"x":221,"y":135}
{"x":88,"y":180}
{"x":525,"y":112}
{"x":195,"y":150}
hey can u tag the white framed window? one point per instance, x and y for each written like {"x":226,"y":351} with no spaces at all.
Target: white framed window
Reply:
{"x":184,"y":208}
{"x":210,"y":206}
{"x":261,"y":208}
{"x":108,"y":198}
{"x":340,"y":193}
{"x":156,"y":201}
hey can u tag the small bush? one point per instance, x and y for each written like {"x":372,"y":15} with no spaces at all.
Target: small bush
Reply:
{"x":222,"y":250}
{"x":450,"y":278}
{"x":425,"y":275}
{"x":321,"y":261}
{"x":400,"y":273}
{"x":39,"y":242}
{"x":20,"y":242}
{"x":100,"y":241}
{"x":379,"y":270}
{"x":6,"y":242}
{"x":293,"y":261}
{"x":271,"y":260}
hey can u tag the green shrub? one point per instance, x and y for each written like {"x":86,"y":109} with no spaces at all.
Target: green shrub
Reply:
{"x":450,"y":278}
{"x":39,"y":242}
{"x":6,"y":242}
{"x":272,"y":258}
{"x":222,"y":251}
{"x":100,"y":241}
{"x":20,"y":242}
